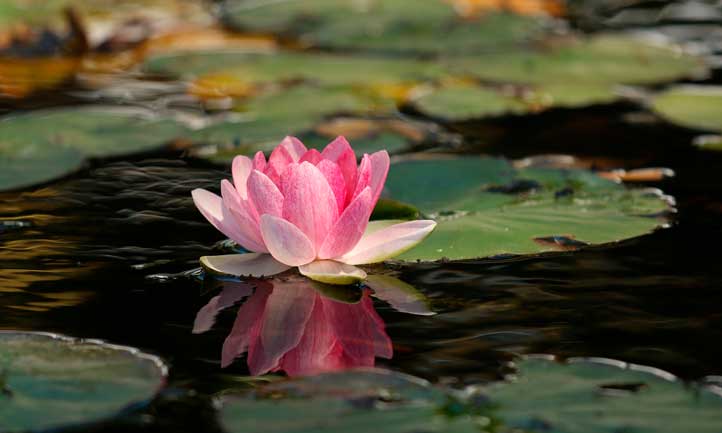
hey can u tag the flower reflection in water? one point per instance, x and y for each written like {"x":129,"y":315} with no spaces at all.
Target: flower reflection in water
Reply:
{"x":303,"y":327}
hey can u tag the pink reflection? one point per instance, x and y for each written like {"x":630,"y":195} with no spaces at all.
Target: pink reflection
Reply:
{"x":287,"y":325}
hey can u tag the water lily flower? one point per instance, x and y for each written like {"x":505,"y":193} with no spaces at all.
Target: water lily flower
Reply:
{"x":308,"y":209}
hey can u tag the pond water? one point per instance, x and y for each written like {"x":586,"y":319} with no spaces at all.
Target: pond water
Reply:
{"x":111,"y":252}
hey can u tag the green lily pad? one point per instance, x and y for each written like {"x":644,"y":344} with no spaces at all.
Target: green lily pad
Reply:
{"x":267,"y":119}
{"x":583,"y":395}
{"x":43,"y":145}
{"x":602,"y":396}
{"x":261,"y":68}
{"x":460,"y":102}
{"x":35,"y":164}
{"x":348,"y":402}
{"x":610,"y":59}
{"x":486,"y":207}
{"x":698,"y":107}
{"x":49,"y":381}
{"x":387,"y":25}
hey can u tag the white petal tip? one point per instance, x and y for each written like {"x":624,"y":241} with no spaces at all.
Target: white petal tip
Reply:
{"x":331,"y":272}
{"x":243,"y":265}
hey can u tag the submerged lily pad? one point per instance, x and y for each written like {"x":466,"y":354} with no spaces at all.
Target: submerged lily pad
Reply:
{"x":583,"y":395}
{"x":486,"y":207}
{"x":698,"y":107}
{"x":49,"y":381}
{"x":43,"y":145}
{"x":357,"y":401}
{"x":384,"y":25}
{"x":602,"y":396}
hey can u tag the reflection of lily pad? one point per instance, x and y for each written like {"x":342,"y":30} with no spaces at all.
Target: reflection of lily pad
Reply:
{"x":386,"y":25}
{"x":485,"y":207}
{"x":48,"y":144}
{"x":698,"y":107}
{"x":50,"y":381}
{"x":602,"y":396}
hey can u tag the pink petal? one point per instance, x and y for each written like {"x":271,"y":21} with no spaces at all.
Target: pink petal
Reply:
{"x":246,"y":328}
{"x":288,"y":151}
{"x":241,"y":169}
{"x":364,"y":175}
{"x":286,"y":242}
{"x":309,"y":202}
{"x":388,"y":242}
{"x":332,"y":172}
{"x":288,"y":309}
{"x":340,"y":152}
{"x":242,"y":219}
{"x":216,"y":212}
{"x":349,"y":228}
{"x":259,"y":161}
{"x":264,"y":194}
{"x":372,"y":172}
{"x":294,"y":146}
{"x":312,"y":155}
{"x":380,"y":164}
{"x":247,"y":233}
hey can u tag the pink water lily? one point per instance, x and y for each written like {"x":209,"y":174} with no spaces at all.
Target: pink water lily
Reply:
{"x":308,"y":209}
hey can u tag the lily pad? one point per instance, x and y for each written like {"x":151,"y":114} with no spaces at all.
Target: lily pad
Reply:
{"x":458,"y":102}
{"x":486,"y":207}
{"x":583,"y":395}
{"x":43,"y":145}
{"x":386,"y":25}
{"x":265,"y":120}
{"x":49,"y":381}
{"x":356,"y":401}
{"x":698,"y":107}
{"x":36,"y":164}
{"x":610,"y":59}
{"x":259,"y":68}
{"x":602,"y":396}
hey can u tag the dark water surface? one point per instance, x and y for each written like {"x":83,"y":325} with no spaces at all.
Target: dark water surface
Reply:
{"x":94,"y":256}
